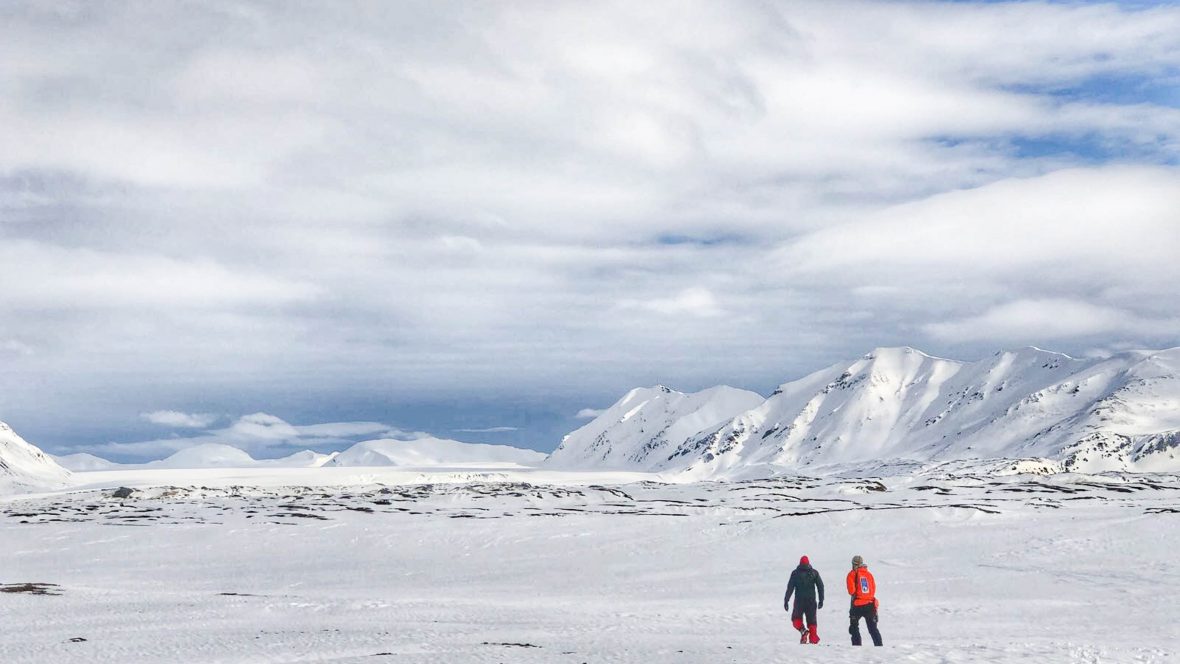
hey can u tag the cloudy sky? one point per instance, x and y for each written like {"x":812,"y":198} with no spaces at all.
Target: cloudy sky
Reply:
{"x":290,"y":223}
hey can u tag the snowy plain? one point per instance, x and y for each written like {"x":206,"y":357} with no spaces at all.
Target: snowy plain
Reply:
{"x":515,"y":565}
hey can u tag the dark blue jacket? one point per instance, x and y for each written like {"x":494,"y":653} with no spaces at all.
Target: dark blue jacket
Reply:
{"x":804,"y":583}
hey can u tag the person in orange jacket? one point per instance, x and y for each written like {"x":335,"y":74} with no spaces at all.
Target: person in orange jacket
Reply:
{"x":863,"y":589}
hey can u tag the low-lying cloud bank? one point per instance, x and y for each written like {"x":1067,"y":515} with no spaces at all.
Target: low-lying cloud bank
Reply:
{"x":260,"y":434}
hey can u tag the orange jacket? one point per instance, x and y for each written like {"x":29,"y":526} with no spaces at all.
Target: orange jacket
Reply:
{"x":862,"y":586}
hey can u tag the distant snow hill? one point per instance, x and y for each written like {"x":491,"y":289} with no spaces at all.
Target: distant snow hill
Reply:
{"x":901,"y":405}
{"x":424,"y":452}
{"x":84,"y":463}
{"x":24,"y":467}
{"x":206,"y":455}
{"x":433,"y":452}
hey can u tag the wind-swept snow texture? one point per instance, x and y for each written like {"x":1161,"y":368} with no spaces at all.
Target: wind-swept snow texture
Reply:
{"x":23,"y":466}
{"x":645,"y":427}
{"x":899,"y":404}
{"x":427,"y":452}
{"x":970,"y":570}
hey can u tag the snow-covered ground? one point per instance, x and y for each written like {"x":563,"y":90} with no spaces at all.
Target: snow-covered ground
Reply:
{"x":380,"y":564}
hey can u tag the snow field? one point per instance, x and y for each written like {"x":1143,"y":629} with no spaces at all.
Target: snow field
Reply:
{"x":511,"y":572}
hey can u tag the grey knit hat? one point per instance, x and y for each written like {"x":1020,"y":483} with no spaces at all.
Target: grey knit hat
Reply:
{"x":857,"y":561}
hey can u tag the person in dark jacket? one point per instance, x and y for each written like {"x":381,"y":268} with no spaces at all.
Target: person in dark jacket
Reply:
{"x":805,"y":584}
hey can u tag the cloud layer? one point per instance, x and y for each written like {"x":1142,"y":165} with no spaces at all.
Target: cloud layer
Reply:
{"x":172,"y":418}
{"x":261,"y":434}
{"x":225,"y":207}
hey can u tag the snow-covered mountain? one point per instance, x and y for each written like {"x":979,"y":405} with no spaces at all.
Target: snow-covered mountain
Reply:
{"x":84,"y":463}
{"x":210,"y":455}
{"x":24,"y":466}
{"x":644,"y":428}
{"x":1117,"y":413}
{"x":217,"y":455}
{"x":423,"y":452}
{"x":207,"y":455}
{"x":304,"y":459}
{"x":429,"y":451}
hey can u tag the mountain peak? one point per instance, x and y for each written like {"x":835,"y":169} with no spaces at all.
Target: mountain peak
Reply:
{"x":24,"y":466}
{"x":899,"y":403}
{"x":640,"y":428}
{"x":427,"y":452}
{"x":207,"y":455}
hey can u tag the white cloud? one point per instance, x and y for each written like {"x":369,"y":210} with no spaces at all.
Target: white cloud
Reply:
{"x":261,"y":426}
{"x":1091,"y":220}
{"x":446,"y":201}
{"x":14,"y":347}
{"x":238,"y":76}
{"x":173,"y":418}
{"x":49,"y":275}
{"x":690,"y":301}
{"x":345,"y":429}
{"x":589,"y":413}
{"x":254,"y":433}
{"x":1032,"y":320}
{"x":1092,"y":246}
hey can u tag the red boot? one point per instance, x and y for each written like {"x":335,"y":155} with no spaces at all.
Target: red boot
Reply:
{"x":812,"y":635}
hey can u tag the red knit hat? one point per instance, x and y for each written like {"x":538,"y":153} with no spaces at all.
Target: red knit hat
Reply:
{"x":804,"y":561}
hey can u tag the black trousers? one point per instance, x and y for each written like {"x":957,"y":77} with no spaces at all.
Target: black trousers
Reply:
{"x":804,"y":608}
{"x":869,"y":613}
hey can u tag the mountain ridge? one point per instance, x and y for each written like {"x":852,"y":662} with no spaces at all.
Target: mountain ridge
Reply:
{"x":23,"y":466}
{"x":637,"y":430}
{"x":898,"y":403}
{"x":430,"y":451}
